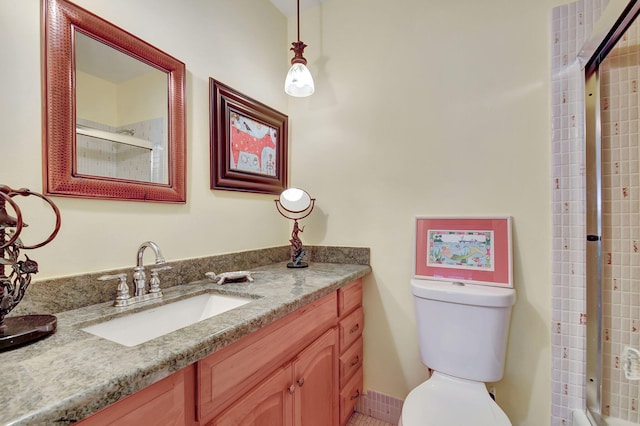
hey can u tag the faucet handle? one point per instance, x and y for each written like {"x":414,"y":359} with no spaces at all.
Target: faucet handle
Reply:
{"x":122,"y":292}
{"x":154,"y":282}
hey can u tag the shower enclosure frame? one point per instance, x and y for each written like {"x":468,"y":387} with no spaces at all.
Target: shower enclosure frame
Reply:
{"x":594,"y":260}
{"x":593,"y":385}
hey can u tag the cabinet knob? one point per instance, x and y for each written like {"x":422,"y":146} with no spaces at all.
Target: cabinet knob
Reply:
{"x":301,"y":381}
{"x":355,"y":360}
{"x":354,"y":328}
{"x":292,"y":389}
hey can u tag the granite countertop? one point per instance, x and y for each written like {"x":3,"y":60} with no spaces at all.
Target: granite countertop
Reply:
{"x":72,"y":374}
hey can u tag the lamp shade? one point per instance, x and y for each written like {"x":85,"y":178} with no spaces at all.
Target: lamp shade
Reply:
{"x":299,"y":82}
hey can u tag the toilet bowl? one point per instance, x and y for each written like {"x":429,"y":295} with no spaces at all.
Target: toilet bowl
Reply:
{"x":450,"y":401}
{"x":462,"y":335}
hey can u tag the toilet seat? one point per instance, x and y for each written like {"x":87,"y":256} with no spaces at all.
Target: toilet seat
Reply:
{"x":450,"y":401}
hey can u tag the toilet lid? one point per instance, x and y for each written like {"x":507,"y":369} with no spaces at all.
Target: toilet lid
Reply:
{"x":448,"y":401}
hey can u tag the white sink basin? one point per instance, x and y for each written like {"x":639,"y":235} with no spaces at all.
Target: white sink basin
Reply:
{"x":131,"y":330}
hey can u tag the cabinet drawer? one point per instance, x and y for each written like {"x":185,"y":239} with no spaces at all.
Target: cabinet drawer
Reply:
{"x":349,"y":396}
{"x":351,"y":328}
{"x":349,"y":297}
{"x":350,"y":361}
{"x":232,"y":371}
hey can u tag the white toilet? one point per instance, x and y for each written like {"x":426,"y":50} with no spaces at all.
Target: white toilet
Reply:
{"x":462,"y":330}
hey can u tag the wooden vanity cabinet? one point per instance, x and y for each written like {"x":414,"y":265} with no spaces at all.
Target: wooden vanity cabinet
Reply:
{"x":167,"y":402}
{"x":303,"y":392}
{"x":315,"y":373}
{"x":299,"y":352}
{"x":303,"y":369}
{"x":269,"y":403}
{"x":350,"y":325}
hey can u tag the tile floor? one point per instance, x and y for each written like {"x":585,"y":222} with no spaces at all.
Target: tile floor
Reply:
{"x":359,"y":419}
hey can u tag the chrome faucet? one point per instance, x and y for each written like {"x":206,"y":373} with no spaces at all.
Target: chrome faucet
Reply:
{"x":139,"y":277}
{"x":140,"y":291}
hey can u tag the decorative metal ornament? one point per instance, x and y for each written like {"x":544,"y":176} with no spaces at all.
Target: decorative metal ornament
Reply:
{"x":20,"y":329}
{"x":295,"y":204}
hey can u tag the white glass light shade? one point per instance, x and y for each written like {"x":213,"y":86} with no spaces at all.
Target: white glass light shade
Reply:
{"x":299,"y":81}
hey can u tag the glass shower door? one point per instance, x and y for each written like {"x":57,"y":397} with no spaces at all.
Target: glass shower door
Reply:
{"x":613,"y":230}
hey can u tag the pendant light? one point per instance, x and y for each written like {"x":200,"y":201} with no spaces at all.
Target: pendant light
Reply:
{"x":299,"y":82}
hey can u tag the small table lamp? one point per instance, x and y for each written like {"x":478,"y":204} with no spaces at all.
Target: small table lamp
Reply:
{"x":295,"y":204}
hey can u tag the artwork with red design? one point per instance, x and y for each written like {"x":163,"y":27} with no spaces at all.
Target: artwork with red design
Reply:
{"x":253,"y":146}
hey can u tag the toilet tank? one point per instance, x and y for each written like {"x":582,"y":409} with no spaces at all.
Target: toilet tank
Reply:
{"x":463,"y":328}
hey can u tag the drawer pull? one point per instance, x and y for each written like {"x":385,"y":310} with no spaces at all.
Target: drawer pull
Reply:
{"x":354,"y":328}
{"x":301,"y":382}
{"x":352,"y":397}
{"x":356,"y":360}
{"x":292,"y":389}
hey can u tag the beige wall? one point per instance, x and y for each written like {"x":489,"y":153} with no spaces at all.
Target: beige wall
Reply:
{"x":421,"y":108}
{"x":143,"y":98}
{"x":139,"y":99}
{"x":242,"y":43}
{"x":88,"y":89}
{"x":431,"y":108}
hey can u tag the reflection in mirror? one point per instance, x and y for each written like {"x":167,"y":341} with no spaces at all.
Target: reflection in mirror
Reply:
{"x":124,"y":134}
{"x":114,"y":116}
{"x":295,"y":200}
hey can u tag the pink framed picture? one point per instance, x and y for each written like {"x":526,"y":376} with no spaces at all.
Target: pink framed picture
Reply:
{"x":473,"y":250}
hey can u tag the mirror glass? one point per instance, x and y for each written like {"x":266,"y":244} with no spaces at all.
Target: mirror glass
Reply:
{"x":124,"y":134}
{"x":114,"y":116}
{"x":295,"y":200}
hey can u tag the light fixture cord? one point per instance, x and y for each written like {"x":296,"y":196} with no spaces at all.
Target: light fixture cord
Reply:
{"x":298,"y":20}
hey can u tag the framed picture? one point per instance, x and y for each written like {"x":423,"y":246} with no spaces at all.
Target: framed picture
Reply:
{"x":472,"y":250}
{"x":248,"y":143}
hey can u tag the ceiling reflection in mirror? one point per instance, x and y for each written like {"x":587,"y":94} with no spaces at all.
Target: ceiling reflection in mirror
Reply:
{"x":121,"y":114}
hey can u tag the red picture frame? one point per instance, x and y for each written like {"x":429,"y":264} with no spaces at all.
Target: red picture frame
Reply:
{"x":60,"y":21}
{"x":475,"y":250}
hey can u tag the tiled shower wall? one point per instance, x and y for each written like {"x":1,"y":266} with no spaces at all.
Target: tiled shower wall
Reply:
{"x":619,"y":79}
{"x":572,"y":24}
{"x":106,"y":158}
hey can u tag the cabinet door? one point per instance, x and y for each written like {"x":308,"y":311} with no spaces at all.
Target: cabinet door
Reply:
{"x":268,"y":404}
{"x":315,"y":372}
{"x":231,"y":372}
{"x":167,"y":402}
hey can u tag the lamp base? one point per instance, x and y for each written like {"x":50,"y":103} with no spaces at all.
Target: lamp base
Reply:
{"x":24,"y":329}
{"x":297,"y":265}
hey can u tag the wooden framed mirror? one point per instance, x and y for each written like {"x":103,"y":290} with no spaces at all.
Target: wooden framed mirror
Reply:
{"x":114,"y":111}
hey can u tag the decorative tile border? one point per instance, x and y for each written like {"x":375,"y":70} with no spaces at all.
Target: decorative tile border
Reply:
{"x":380,"y":406}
